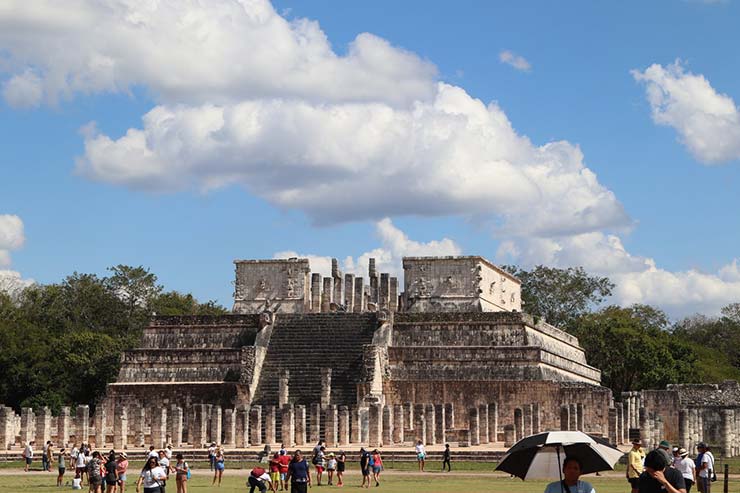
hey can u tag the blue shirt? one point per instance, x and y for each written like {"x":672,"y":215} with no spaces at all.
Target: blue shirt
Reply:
{"x":580,"y":487}
{"x":298,"y":471}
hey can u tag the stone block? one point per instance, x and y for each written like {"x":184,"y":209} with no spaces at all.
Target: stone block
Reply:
{"x":474,"y":426}
{"x":439,"y":423}
{"x":64,"y":426}
{"x":287,"y":425}
{"x":229,"y":428}
{"x":255,"y":425}
{"x":314,"y":434}
{"x":430,"y":425}
{"x":300,"y":425}
{"x":355,"y":434}
{"x":159,"y":427}
{"x":375,"y":421}
{"x":398,"y":423}
{"x":270,"y":417}
{"x":483,"y":419}
{"x":82,"y":424}
{"x":43,"y":426}
{"x":242,"y":427}
{"x":175,"y":426}
{"x":343,"y":426}
{"x":101,"y":419}
{"x":216,"y":425}
{"x":120,"y":428}
{"x":331,"y":426}
{"x":493,"y":422}
{"x":387,"y":425}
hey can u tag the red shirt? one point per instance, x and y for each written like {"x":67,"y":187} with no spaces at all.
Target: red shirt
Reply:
{"x":284,"y":463}
{"x":274,"y":465}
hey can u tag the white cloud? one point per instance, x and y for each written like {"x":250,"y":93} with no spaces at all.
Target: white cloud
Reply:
{"x":394,"y":245}
{"x":24,"y":90}
{"x":349,"y":161}
{"x":11,"y":236}
{"x":516,"y":61}
{"x":12,"y":283}
{"x":197,"y":52}
{"x":637,"y":279}
{"x":707,"y":122}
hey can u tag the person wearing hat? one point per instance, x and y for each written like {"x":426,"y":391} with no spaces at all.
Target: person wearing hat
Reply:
{"x":665,"y":448}
{"x":331,"y":467}
{"x":121,"y":468}
{"x":658,"y":477}
{"x":686,"y":467}
{"x":704,"y":465}
{"x":635,"y":457}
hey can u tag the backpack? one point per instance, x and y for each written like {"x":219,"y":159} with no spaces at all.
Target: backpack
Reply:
{"x":315,"y":461}
{"x":189,"y":474}
{"x":257,"y":472}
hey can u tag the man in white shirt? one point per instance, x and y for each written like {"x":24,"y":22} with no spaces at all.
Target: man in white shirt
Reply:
{"x":28,"y":454}
{"x":257,"y":480}
{"x":704,"y":467}
{"x":168,"y":451}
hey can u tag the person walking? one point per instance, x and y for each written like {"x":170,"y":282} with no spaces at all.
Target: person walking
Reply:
{"x":284,"y":461}
{"x":122,"y":469}
{"x":28,"y":455}
{"x":658,"y":477}
{"x":341,"y":464}
{"x":704,"y":465}
{"x":686,"y":467}
{"x":319,"y":462}
{"x":212,"y":455}
{"x":365,"y":468}
{"x":421,"y":454}
{"x":635,"y":458}
{"x":377,"y":466}
{"x":94,"y":475}
{"x":299,"y":474}
{"x":182,"y":472}
{"x":274,"y":467}
{"x":111,"y":473}
{"x":219,"y":466}
{"x":331,"y":467}
{"x":446,"y":458}
{"x":151,"y":477}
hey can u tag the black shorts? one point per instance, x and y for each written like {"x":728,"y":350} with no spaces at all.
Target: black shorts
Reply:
{"x":296,"y":487}
{"x":61,"y":471}
{"x":634,"y":482}
{"x":340,"y":466}
{"x":366,"y":472}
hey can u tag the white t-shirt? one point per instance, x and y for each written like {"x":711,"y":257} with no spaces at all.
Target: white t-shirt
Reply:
{"x":686,"y":467}
{"x":168,"y":453}
{"x":706,"y":459}
{"x":77,"y":484}
{"x":80,"y":460}
{"x":74,"y":453}
{"x":164,"y":463}
{"x":265,"y":478}
{"x":420,"y":449}
{"x":28,"y":452}
{"x":154,"y":454}
{"x":580,"y":487}
{"x":211,"y":450}
{"x":152,"y":476}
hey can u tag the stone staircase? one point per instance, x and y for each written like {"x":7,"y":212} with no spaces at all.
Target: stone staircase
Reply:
{"x":306,"y":343}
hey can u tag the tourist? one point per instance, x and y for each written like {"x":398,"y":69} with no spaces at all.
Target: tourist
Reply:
{"x":61,"y":466}
{"x":635,"y":457}
{"x":318,"y":446}
{"x":182,"y":472}
{"x":111,"y":473}
{"x":94,"y":473}
{"x":274,"y":467}
{"x":331,"y":467}
{"x":341,"y":464}
{"x":257,"y":479}
{"x":168,"y":451}
{"x":571,"y":479}
{"x":47,"y":457}
{"x":365,"y":468}
{"x":212,"y":455}
{"x":421,"y":455}
{"x":284,"y":460}
{"x":658,"y":477}
{"x":446,"y":458}
{"x":151,"y":477}
{"x":164,"y":463}
{"x":153,"y":453}
{"x":704,"y":463}
{"x":283,"y":450}
{"x":122,"y":469}
{"x":319,"y":462}
{"x":80,"y":465}
{"x":218,"y":466}
{"x":299,"y":474}
{"x":664,"y":447}
{"x":377,"y":466}
{"x":686,"y":467}
{"x":28,"y":454}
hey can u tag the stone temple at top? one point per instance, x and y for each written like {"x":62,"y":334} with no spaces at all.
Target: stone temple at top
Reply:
{"x":450,"y":356}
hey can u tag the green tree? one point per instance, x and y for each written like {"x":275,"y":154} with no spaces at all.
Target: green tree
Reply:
{"x":136,"y":287}
{"x":175,"y":303}
{"x":560,"y":296}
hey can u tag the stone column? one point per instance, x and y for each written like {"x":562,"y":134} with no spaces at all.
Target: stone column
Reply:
{"x":398,"y":423}
{"x":229,"y":428}
{"x":645,"y":429}
{"x":331,"y":426}
{"x":198,"y":426}
{"x":439,"y":423}
{"x":159,"y":427}
{"x":528,"y":425}
{"x":287,"y":425}
{"x":572,"y":414}
{"x":474,"y":426}
{"x":726,"y":417}
{"x":349,"y":292}
{"x":7,"y":435}
{"x":270,"y":437}
{"x":242,"y":427}
{"x":376,"y":425}
{"x":358,"y":306}
{"x":82,"y":424}
{"x":693,"y":433}
{"x":430,"y":424}
{"x":28,"y":430}
{"x":354,"y":425}
{"x":683,"y":428}
{"x":420,"y":423}
{"x":100,"y":423}
{"x":620,"y":425}
{"x":393,"y":294}
{"x":300,"y":425}
{"x":325,"y":387}
{"x":493,"y":422}
{"x":373,"y":275}
{"x":384,"y":291}
{"x":509,"y":435}
{"x":343,"y":426}
{"x":216,"y":424}
{"x":139,"y":422}
{"x":536,"y":426}
{"x":564,"y":417}
{"x":255,"y":425}
{"x":580,"y":419}
{"x":120,"y":428}
{"x":315,"y":293}
{"x":63,"y":426}
{"x":613,"y":426}
{"x":483,"y":415}
{"x":315,"y":430}
{"x":450,"y":416}
{"x":364,"y":424}
{"x":326,"y":295}
{"x":387,"y":424}
{"x":175,"y":423}
{"x":283,"y":388}
{"x":43,"y":427}
{"x":518,"y":423}
{"x":336,"y":275}
{"x":408,"y":415}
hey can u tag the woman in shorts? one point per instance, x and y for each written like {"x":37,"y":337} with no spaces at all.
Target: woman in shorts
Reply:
{"x":122,"y":469}
{"x":94,"y":476}
{"x":219,"y":466}
{"x":421,"y":455}
{"x":331,"y":467}
{"x":341,"y":463}
{"x":62,"y":466}
{"x":181,"y":474}
{"x":377,"y":466}
{"x":274,"y":471}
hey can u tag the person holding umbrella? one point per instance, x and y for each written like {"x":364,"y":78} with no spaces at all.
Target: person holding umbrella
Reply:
{"x":571,"y":482}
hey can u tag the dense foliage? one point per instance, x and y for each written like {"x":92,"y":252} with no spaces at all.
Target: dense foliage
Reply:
{"x":61,"y":343}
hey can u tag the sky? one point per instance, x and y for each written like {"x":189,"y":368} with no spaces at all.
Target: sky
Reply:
{"x":183,"y":135}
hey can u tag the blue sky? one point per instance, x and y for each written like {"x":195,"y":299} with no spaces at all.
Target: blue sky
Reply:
{"x":655,"y":209}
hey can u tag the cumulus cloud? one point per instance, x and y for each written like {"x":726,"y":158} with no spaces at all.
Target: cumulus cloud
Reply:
{"x":707,"y":122}
{"x":12,"y":283}
{"x":349,"y":161}
{"x":197,"y":52}
{"x":11,"y":238}
{"x":394,"y":245}
{"x":638,"y":279}
{"x":516,"y":61}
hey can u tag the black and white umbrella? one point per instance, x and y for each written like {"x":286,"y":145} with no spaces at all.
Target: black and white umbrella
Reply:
{"x":541,"y":456}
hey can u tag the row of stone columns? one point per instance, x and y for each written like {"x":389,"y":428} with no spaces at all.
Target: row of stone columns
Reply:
{"x":351,"y":293}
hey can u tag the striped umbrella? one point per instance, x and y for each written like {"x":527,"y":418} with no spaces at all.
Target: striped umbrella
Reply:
{"x":541,"y":456}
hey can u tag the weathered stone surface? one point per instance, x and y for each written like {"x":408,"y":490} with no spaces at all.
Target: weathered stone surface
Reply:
{"x":331,"y":426}
{"x":300,"y":425}
{"x":343,"y":426}
{"x":261,"y":284}
{"x":287,"y":425}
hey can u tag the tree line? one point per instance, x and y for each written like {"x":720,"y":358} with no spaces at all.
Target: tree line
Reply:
{"x":61,"y":343}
